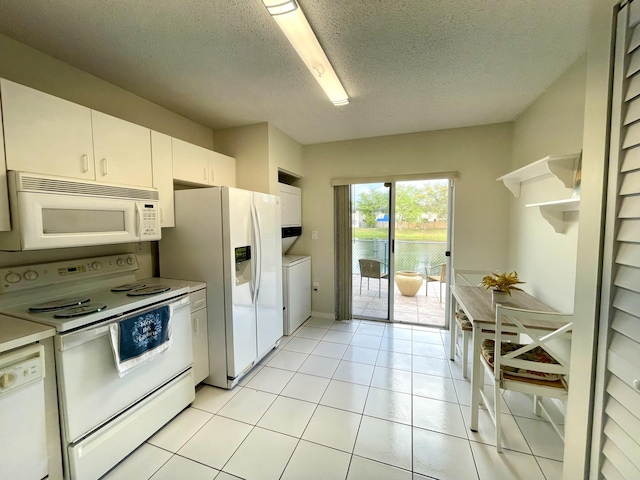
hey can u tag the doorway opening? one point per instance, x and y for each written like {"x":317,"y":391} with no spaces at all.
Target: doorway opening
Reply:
{"x":401,"y":235}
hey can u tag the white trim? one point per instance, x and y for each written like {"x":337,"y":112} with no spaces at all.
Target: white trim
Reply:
{"x":396,"y":178}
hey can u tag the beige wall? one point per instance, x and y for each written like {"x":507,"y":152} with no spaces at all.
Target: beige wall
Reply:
{"x":32,"y":68}
{"x":284,"y":154}
{"x":260,"y":151}
{"x":250,"y":147}
{"x":552,"y":125}
{"x":480,"y":154}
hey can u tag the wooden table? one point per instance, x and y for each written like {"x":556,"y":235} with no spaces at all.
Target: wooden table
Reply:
{"x":476,"y":304}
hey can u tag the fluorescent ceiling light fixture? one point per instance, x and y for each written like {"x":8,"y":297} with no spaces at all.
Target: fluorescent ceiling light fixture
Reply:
{"x":296,"y":28}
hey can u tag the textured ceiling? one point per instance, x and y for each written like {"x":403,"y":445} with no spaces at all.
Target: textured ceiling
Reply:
{"x":408,"y":65}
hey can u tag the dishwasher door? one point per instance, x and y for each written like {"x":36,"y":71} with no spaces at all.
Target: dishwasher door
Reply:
{"x":23,"y":438}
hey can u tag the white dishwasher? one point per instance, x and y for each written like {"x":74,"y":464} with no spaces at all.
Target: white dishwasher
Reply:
{"x":23,"y":438}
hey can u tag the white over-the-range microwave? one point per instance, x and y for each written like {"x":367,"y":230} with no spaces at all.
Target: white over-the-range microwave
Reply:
{"x":57,"y":212}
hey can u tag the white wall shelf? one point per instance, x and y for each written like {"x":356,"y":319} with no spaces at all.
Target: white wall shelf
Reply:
{"x":560,"y":166}
{"x":553,"y":212}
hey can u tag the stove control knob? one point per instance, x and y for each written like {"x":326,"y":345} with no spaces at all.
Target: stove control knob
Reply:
{"x":13,"y":277}
{"x":120,"y":262}
{"x":130,"y":261}
{"x":7,"y":379}
{"x":30,"y":275}
{"x":96,"y":265}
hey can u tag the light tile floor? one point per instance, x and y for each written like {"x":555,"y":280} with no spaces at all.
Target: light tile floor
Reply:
{"x":349,"y":401}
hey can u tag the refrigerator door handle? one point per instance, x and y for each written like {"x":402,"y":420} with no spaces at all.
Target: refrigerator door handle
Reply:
{"x":255,"y":279}
{"x":259,"y":241}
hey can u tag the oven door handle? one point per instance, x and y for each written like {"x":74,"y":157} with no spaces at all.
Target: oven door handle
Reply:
{"x":71,"y":340}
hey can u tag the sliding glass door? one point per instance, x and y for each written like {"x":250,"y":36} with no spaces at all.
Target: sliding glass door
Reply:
{"x":400,"y":240}
{"x":371,"y":252}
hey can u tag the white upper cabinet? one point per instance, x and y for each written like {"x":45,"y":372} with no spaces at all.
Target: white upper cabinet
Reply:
{"x":46,"y":134}
{"x":162,"y":161}
{"x":190,"y":163}
{"x":222,"y":170}
{"x":194,"y":165}
{"x":122,"y":151}
{"x":290,"y":205}
{"x":5,"y":223}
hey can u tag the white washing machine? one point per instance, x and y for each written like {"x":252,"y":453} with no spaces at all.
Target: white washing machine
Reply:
{"x":296,"y":291}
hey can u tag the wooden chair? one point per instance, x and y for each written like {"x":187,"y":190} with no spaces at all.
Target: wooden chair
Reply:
{"x":371,"y":269}
{"x":440,"y":276}
{"x":460,"y":323}
{"x":534,"y":368}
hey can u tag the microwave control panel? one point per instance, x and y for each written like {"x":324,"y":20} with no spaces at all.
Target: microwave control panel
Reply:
{"x":150,"y":222}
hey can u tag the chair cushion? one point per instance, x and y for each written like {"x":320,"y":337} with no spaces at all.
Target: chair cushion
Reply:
{"x":463,"y":320}
{"x":536,"y":354}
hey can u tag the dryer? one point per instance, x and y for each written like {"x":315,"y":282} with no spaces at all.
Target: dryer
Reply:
{"x":296,"y":291}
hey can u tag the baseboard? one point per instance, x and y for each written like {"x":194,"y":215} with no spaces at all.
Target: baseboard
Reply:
{"x":330,"y":316}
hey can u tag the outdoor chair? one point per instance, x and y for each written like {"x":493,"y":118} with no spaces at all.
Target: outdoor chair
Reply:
{"x":371,"y":269}
{"x":534,"y":368}
{"x":440,"y":276}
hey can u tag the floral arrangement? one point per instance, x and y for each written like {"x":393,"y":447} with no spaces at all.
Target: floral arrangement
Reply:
{"x":502,"y":282}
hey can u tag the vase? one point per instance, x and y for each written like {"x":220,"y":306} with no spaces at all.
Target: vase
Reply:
{"x":408,"y":282}
{"x":499,"y":297}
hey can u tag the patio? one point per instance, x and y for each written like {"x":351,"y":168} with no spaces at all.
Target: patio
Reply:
{"x":420,"y":309}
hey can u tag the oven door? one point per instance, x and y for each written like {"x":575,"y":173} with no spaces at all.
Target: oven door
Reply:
{"x":90,"y":389}
{"x":60,"y":221}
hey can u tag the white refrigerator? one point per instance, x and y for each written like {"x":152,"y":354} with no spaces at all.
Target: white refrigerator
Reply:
{"x":230,"y":239}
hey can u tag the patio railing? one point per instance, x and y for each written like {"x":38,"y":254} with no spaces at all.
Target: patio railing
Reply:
{"x":410,"y":255}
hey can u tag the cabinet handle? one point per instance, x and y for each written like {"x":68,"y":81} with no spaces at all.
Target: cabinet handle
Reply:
{"x":212,"y":176}
{"x":105,"y":167}
{"x":196,"y":325}
{"x":85,"y":163}
{"x":204,"y":172}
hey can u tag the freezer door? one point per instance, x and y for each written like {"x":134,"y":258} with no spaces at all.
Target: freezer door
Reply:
{"x":269,"y":271}
{"x":240,"y":308}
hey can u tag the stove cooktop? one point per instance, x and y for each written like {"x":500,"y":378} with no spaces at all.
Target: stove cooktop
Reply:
{"x":72,"y":310}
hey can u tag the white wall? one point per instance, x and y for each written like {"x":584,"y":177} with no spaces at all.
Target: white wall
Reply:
{"x":587,"y":286}
{"x":480,"y":154}
{"x":552,"y":125}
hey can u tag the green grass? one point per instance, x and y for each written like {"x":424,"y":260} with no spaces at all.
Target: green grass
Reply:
{"x":430,"y":235}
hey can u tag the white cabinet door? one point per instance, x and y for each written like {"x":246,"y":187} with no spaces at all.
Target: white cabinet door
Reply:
{"x":291,"y":206}
{"x":46,"y":134}
{"x":122,"y":151}
{"x":162,"y":163}
{"x":200,"y":335}
{"x":222,"y":170}
{"x":5,"y":223}
{"x":190,"y":163}
{"x":200,"y":345}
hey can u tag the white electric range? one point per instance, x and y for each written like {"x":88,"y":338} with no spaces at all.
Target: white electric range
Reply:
{"x":105,"y":414}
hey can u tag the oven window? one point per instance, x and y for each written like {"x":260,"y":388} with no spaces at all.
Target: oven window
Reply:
{"x":60,"y":220}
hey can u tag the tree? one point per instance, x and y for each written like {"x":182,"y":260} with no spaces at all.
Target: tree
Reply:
{"x":372,"y":202}
{"x":409,"y":207}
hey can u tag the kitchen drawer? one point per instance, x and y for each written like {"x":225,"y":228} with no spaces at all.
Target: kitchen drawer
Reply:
{"x":198,"y":299}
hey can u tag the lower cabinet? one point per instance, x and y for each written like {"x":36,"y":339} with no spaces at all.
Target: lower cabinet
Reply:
{"x":200,"y":335}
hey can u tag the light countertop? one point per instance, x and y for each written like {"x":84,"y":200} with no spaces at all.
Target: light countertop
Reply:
{"x":15,"y":332}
